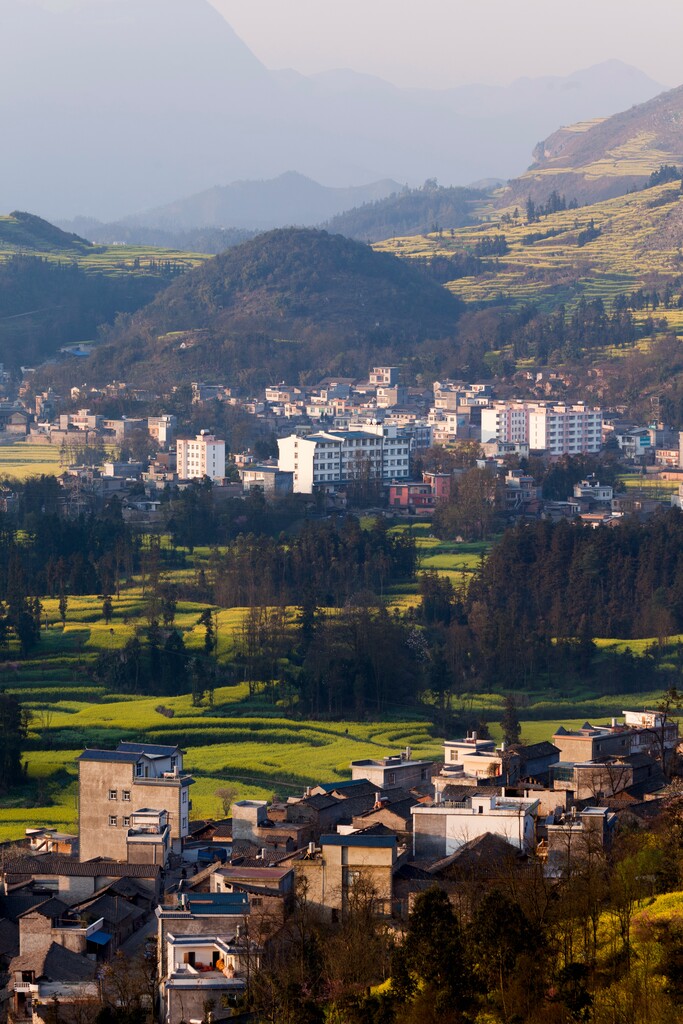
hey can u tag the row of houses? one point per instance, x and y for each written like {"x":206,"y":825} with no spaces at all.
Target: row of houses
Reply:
{"x":208,"y":896}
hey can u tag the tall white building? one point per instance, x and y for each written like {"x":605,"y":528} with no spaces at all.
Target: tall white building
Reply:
{"x":557,"y":429}
{"x":204,"y":456}
{"x":335,"y":457}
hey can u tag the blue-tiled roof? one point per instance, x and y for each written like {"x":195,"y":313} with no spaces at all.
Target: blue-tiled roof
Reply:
{"x":358,"y":840}
{"x":219,"y":903}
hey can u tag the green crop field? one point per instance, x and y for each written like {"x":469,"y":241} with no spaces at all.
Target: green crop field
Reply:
{"x":21,"y":460}
{"x":239,"y":739}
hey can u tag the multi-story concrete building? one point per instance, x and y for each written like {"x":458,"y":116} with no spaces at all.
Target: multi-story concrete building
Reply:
{"x":386,"y":376}
{"x":327,"y":459}
{"x":81,"y":420}
{"x":556,"y":429}
{"x":204,"y":953}
{"x":398,"y":771}
{"x":332,"y":870}
{"x":204,"y":456}
{"x":137,"y":781}
{"x":440,"y":830}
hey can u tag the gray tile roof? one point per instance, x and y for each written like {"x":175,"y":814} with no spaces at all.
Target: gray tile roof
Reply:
{"x":156,"y":749}
{"x":109,"y":756}
{"x":56,"y":864}
{"x":57,"y":964}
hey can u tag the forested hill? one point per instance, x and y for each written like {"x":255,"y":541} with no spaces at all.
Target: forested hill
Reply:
{"x":604,"y":158}
{"x":411,"y":212}
{"x":291,"y":301}
{"x":24,"y":231}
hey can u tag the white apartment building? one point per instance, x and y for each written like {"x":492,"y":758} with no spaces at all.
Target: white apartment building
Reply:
{"x":328,"y":458}
{"x":204,"y":456}
{"x":557,"y":429}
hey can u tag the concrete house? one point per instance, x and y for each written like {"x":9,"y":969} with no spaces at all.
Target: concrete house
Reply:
{"x":440,"y":830}
{"x":37,"y":978}
{"x":397,"y":771}
{"x":72,"y":880}
{"x":205,"y":954}
{"x":144,"y":779}
{"x":342,"y":862}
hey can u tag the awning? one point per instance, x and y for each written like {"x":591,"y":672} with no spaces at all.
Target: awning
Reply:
{"x":100,"y":938}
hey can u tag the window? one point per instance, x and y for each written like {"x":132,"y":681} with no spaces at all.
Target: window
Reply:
{"x":126,"y":822}
{"x":113,"y":794}
{"x":184,"y":796}
{"x":125,"y":795}
{"x":256,"y":901}
{"x":138,"y":769}
{"x":184,"y":822}
{"x":480,"y":809}
{"x":113,"y":820}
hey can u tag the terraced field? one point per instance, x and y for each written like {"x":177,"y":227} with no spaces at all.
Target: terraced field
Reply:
{"x":16,"y":237}
{"x":638,"y":245}
{"x":21,"y":460}
{"x":238,"y":739}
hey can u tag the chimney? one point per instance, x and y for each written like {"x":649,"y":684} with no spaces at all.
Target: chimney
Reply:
{"x":311,"y":849}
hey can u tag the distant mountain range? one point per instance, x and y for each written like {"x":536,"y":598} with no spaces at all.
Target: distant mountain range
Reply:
{"x":368,"y":213}
{"x":126,"y":105}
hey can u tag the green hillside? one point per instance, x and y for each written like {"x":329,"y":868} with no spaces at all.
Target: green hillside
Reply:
{"x":604,"y":158}
{"x":22,"y":232}
{"x":608,"y":249}
{"x":410,"y":212}
{"x":289,"y":302}
{"x":57,"y":288}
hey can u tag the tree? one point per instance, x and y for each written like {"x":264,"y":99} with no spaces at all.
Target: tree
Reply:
{"x":206,"y":619}
{"x":63,"y":605}
{"x":14,"y":722}
{"x":173,"y":664}
{"x":107,"y":609}
{"x":433,"y":952}
{"x":510,"y":722}
{"x":227,"y":796}
{"x":501,"y":934}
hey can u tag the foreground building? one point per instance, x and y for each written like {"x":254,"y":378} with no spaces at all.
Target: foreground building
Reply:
{"x":440,"y":830}
{"x":134,"y":802}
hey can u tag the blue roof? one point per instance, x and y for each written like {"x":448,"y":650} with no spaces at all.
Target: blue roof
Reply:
{"x":100,"y":938}
{"x":358,"y":840}
{"x":218,"y":903}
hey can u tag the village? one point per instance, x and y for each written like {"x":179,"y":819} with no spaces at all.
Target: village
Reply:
{"x":352,"y":444}
{"x":203,"y":899}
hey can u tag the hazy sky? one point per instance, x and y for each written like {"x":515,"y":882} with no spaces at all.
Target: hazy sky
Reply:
{"x":450,"y":42}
